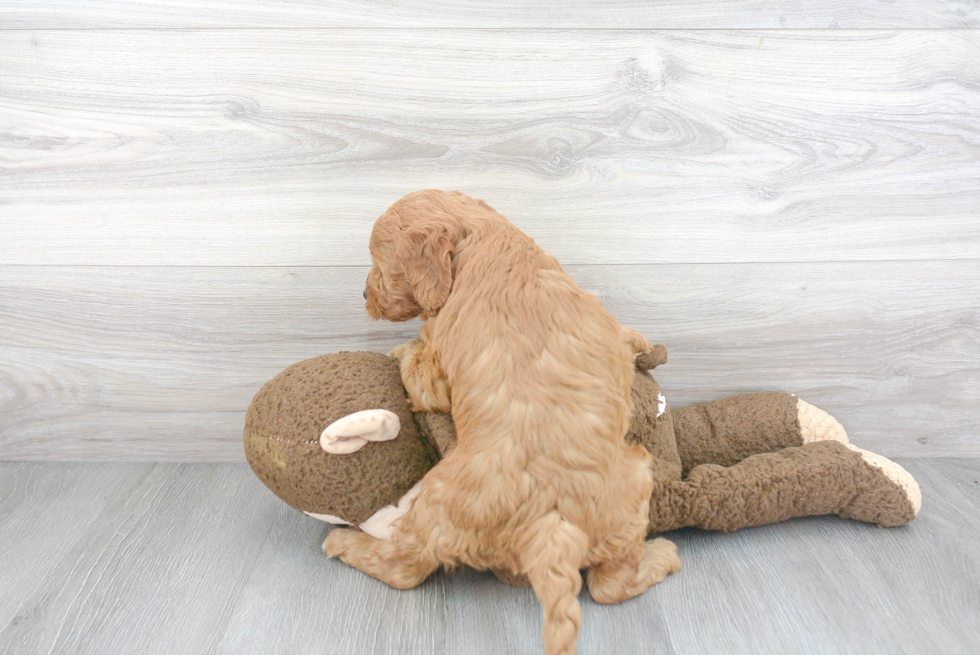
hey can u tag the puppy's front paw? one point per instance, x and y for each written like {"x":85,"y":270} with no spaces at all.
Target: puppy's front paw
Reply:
{"x":339,"y":542}
{"x":404,"y":351}
{"x":437,"y":401}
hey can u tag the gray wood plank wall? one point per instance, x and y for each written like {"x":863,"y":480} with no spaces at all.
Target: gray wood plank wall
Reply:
{"x":184,"y":212}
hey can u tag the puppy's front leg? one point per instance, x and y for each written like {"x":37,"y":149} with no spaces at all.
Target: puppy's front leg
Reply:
{"x":423,"y":377}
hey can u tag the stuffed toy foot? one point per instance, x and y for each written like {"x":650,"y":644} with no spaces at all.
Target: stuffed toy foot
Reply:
{"x":883,"y":504}
{"x":824,"y":477}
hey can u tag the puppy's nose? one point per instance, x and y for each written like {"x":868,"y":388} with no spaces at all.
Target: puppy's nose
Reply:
{"x":365,"y":294}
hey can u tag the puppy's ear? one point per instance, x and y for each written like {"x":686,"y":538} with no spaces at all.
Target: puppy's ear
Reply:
{"x":426,"y":252}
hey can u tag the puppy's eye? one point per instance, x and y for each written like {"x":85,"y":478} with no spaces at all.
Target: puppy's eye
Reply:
{"x":365,"y":294}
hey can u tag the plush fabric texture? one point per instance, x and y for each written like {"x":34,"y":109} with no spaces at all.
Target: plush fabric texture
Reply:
{"x":286,"y":417}
{"x":439,"y":429}
{"x":653,"y":432}
{"x":824,"y":477}
{"x":728,"y":430}
{"x":653,"y":359}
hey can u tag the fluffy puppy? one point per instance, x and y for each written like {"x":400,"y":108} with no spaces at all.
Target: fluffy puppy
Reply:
{"x":537,"y":374}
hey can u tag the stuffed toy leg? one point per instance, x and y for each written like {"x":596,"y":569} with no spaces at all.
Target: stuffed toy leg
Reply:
{"x":762,"y":458}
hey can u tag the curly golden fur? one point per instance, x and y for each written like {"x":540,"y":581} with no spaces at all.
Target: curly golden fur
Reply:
{"x":537,"y":374}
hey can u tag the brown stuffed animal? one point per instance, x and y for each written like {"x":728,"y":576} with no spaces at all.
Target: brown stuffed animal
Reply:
{"x":334,"y":437}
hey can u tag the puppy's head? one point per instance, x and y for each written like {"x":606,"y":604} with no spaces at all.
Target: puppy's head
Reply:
{"x":412,"y":248}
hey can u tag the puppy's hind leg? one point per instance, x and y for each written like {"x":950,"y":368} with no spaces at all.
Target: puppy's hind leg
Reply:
{"x":404,"y":560}
{"x":615,"y":581}
{"x":627,"y":565}
{"x":418,"y":543}
{"x":388,"y":560}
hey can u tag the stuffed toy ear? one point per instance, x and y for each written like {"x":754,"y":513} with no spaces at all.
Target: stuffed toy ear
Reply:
{"x":646,"y":361}
{"x":352,"y":432}
{"x":426,"y":250}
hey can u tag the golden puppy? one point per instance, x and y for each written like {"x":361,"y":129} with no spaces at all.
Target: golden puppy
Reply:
{"x":537,"y":374}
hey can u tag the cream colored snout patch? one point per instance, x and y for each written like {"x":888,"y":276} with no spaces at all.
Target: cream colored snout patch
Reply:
{"x":379,"y":525}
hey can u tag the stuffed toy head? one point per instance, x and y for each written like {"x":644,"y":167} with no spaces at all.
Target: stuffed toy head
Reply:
{"x":333,"y":436}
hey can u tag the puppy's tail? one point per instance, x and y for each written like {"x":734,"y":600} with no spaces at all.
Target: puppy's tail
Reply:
{"x":552,"y":559}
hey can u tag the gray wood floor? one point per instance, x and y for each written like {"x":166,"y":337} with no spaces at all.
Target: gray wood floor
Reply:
{"x":201,"y":558}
